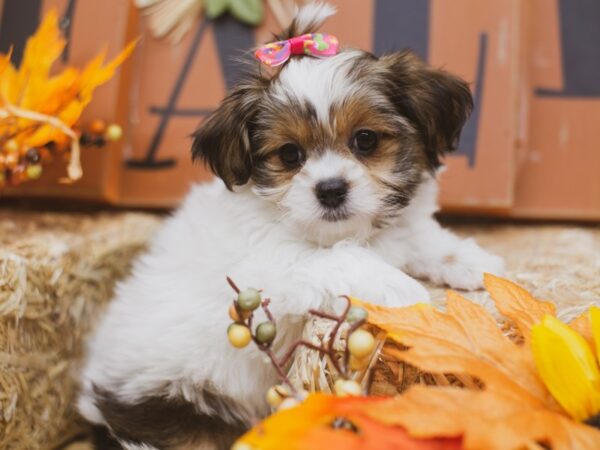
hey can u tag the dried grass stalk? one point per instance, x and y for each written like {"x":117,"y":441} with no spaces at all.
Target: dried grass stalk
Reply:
{"x":57,"y":271}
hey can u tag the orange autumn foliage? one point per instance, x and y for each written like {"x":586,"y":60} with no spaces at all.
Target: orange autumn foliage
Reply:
{"x":309,"y":427}
{"x":514,"y":408}
{"x":37,"y":107}
{"x":505,"y":406}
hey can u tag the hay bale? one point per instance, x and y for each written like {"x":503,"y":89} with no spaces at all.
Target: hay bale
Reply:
{"x":57,"y":271}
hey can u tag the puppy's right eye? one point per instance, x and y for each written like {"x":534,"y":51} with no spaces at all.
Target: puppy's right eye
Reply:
{"x":291,"y":155}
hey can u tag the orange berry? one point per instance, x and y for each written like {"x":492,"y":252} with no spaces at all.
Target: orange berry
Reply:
{"x":11,"y":146}
{"x":97,"y":126}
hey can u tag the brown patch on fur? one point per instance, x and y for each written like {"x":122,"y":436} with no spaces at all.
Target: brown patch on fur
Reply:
{"x":436,"y":102}
{"x":282,"y":123}
{"x":171,"y":423}
{"x":397,"y":164}
{"x":223,"y":140}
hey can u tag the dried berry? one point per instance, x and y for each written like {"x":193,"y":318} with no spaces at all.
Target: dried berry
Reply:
{"x":239,"y":335}
{"x":288,"y":403}
{"x":32,"y":156}
{"x":97,"y":126}
{"x":241,"y":446}
{"x":266,"y":332}
{"x":11,"y":160}
{"x":356,"y":313}
{"x":11,"y":146}
{"x":114,"y":132}
{"x":233,"y":314}
{"x":249,"y":299}
{"x":276,"y":395}
{"x":345,"y":388}
{"x":34,"y":171}
{"x":361,"y":343}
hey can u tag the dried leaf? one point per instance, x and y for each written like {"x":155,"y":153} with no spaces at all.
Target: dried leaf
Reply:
{"x":465,"y":340}
{"x":485,"y":420}
{"x":516,"y":303}
{"x":63,"y":96}
{"x":309,"y":426}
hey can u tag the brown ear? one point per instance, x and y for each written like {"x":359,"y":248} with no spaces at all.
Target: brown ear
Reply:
{"x":223,"y":140}
{"x":436,"y":102}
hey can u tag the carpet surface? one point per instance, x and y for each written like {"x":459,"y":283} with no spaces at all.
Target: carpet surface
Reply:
{"x":560,"y":263}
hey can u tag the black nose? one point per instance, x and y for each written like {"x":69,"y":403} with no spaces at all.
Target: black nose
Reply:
{"x":332,"y":192}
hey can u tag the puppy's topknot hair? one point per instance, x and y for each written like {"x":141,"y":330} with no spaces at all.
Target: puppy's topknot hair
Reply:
{"x":308,"y":19}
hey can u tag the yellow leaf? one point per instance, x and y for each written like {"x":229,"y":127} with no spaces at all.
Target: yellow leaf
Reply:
{"x":5,"y":60}
{"x":41,"y":50}
{"x":516,"y":303}
{"x":63,"y":96}
{"x":595,"y":326}
{"x":568,"y":367}
{"x":582,"y":325}
{"x":95,"y":74}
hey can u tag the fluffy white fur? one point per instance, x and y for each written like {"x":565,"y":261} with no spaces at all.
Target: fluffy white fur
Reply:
{"x":167,"y":324}
{"x":168,"y":321}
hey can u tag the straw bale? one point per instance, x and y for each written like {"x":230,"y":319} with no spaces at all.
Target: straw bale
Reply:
{"x":57,"y":271}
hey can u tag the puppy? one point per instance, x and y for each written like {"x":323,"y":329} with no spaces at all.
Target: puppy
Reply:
{"x":327,"y":187}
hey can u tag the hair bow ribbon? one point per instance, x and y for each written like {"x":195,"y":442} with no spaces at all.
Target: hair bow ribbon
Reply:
{"x":319,"y":45}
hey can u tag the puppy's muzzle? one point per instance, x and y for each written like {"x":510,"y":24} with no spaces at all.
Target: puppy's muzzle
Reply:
{"x":332,"y":193}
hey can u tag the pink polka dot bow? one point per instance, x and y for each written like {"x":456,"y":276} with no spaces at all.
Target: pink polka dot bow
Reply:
{"x":319,"y":45}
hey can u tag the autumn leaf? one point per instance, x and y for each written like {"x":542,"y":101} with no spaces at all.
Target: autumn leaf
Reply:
{"x":485,"y":420}
{"x":512,"y":408}
{"x":310,"y":427}
{"x":465,"y":340}
{"x":516,"y":303}
{"x":38,"y":107}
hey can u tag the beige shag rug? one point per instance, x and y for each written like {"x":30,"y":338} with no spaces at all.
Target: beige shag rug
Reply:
{"x":560,"y":263}
{"x":58,"y":270}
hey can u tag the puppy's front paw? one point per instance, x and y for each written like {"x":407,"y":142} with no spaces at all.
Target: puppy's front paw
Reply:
{"x":389,"y":286}
{"x":464,"y":269}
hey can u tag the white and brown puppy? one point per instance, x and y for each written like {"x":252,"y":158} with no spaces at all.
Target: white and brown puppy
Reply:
{"x":327,"y":187}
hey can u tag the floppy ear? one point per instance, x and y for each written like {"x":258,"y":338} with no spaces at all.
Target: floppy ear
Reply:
{"x":436,"y":102}
{"x":223,"y":140}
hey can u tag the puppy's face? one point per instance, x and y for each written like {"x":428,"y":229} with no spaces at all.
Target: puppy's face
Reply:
{"x":338,"y":144}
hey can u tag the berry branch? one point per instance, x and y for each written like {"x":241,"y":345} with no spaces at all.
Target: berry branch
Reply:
{"x":355,"y":356}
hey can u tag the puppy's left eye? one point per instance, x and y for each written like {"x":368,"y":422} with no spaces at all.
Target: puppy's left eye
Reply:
{"x":365,"y":142}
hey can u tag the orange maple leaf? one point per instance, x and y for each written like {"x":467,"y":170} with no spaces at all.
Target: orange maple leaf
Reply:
{"x":516,"y":303}
{"x":486,"y":420}
{"x":37,"y":107}
{"x":309,"y":427}
{"x":514,"y":408}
